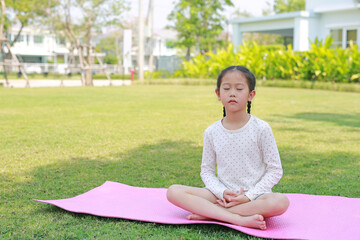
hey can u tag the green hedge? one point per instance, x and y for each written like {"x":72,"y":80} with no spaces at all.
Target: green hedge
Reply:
{"x":321,"y":63}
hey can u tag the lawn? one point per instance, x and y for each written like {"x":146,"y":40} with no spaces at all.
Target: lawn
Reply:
{"x":60,"y":142}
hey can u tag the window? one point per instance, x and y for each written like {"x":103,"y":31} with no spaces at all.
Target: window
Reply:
{"x":343,"y":36}
{"x":20,"y":39}
{"x":169,"y":44}
{"x":38,"y":39}
{"x":336,"y":35}
{"x":60,"y":40}
{"x":351,"y":35}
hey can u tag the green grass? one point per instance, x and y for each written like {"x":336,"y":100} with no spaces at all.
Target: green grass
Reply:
{"x":60,"y":142}
{"x":306,"y":84}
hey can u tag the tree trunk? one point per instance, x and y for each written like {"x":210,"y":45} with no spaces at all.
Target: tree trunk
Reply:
{"x":2,"y":37}
{"x":88,"y":71}
{"x":4,"y":66}
{"x":88,"y":77}
{"x":17,"y":35}
{"x":188,"y":54}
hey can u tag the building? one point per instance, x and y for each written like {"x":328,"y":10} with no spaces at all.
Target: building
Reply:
{"x":321,"y":18}
{"x":35,"y":46}
{"x":164,"y":54}
{"x":42,"y":51}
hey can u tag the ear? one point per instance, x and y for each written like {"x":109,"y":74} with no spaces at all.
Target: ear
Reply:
{"x":218,"y":94}
{"x":251,"y":95}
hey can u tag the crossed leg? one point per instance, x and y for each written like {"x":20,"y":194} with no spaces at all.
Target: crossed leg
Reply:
{"x":202,"y":203}
{"x":267,"y":205}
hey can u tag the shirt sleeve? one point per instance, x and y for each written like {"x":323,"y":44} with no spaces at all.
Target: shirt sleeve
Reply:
{"x":271,"y":158}
{"x":207,"y":174}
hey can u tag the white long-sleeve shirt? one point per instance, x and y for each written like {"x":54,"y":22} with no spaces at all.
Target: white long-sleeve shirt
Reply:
{"x":247,"y":157}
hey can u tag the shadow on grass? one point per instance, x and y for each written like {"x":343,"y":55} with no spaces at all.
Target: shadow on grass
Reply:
{"x":151,"y":165}
{"x":350,"y":120}
{"x":160,"y":165}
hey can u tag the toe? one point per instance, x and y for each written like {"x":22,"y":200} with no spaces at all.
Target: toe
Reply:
{"x":263,"y":226}
{"x":259,"y":218}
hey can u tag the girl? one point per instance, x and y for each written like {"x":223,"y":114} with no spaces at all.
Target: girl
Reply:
{"x":248,"y":162}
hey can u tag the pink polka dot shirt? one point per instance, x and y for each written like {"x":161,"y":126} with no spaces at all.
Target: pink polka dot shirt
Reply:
{"x":247,"y":157}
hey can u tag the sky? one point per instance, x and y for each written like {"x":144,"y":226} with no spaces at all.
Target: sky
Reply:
{"x":162,"y":9}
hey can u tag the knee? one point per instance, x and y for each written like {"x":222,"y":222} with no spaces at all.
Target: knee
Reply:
{"x":281,"y":203}
{"x":173,"y":193}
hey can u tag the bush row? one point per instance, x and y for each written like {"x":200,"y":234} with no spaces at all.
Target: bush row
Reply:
{"x":321,"y":63}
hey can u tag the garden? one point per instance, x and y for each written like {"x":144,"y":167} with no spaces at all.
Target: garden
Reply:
{"x":60,"y":142}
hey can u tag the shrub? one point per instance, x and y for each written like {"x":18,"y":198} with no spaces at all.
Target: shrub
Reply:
{"x":157,"y":74}
{"x":322,"y":62}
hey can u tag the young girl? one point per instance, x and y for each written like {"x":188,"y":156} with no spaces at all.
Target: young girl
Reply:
{"x":248,"y":162}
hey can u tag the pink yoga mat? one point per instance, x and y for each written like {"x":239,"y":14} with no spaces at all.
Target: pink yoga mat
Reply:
{"x":308,"y":217}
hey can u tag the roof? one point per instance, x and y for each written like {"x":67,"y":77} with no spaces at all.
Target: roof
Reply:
{"x":339,"y":7}
{"x":280,"y":16}
{"x":165,"y":33}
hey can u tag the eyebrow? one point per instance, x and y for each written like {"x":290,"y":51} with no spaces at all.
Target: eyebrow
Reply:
{"x":237,"y":84}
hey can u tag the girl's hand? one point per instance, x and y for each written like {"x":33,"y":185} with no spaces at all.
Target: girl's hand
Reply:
{"x":232,"y":198}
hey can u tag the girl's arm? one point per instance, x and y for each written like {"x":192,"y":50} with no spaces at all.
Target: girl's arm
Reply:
{"x":271,"y":158}
{"x":208,"y":168}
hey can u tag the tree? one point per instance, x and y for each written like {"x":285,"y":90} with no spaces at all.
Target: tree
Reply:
{"x":2,"y":20}
{"x":25,"y":12}
{"x":282,"y":6}
{"x":198,"y":24}
{"x":2,"y":36}
{"x":110,"y":45}
{"x":238,"y":13}
{"x":91,"y":17}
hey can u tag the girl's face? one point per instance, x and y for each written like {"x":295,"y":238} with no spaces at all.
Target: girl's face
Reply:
{"x":234,"y":92}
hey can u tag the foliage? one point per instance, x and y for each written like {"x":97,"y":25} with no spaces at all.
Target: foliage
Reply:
{"x":92,"y":15}
{"x":102,"y":76}
{"x":325,"y":63}
{"x":110,"y":46}
{"x":110,"y":59}
{"x":157,"y":74}
{"x":282,"y":6}
{"x":198,"y":24}
{"x":321,"y":63}
{"x":27,"y":12}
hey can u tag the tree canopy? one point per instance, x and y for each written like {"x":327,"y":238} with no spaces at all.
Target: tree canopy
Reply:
{"x":25,"y":12}
{"x":78,"y":20}
{"x":198,"y":24}
{"x":281,"y":6}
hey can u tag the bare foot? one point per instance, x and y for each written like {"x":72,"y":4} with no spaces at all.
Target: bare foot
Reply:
{"x":255,"y":221}
{"x":194,"y":216}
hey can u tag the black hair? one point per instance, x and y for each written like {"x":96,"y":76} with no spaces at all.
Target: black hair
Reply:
{"x":250,"y":77}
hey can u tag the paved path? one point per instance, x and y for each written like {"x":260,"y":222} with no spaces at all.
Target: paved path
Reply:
{"x":57,"y":83}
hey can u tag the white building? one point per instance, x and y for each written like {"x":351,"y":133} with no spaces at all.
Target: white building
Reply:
{"x":165,"y":55}
{"x":35,"y":46}
{"x":339,"y":19}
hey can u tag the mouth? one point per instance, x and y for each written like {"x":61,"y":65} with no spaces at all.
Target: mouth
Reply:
{"x":232,"y":101}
